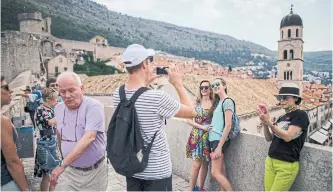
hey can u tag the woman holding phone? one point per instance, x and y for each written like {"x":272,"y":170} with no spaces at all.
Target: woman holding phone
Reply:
{"x":221,"y":113}
{"x":288,"y":135}
{"x":197,"y":147}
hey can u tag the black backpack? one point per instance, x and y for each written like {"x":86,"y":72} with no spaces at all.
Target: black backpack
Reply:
{"x":125,"y":148}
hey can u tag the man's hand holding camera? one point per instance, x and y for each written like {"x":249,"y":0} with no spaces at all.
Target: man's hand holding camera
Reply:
{"x":174,"y":76}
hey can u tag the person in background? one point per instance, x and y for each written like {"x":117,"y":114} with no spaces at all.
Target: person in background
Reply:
{"x":32,"y":103}
{"x":288,"y":135}
{"x":38,"y":94}
{"x":82,"y":139}
{"x":221,"y":113}
{"x":197,"y":147}
{"x":12,"y":170}
{"x":52,"y":83}
{"x":47,"y":140}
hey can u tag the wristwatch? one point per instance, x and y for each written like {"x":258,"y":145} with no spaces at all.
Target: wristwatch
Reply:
{"x":63,"y":165}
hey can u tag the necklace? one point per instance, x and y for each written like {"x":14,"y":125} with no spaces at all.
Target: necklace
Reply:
{"x":291,"y":109}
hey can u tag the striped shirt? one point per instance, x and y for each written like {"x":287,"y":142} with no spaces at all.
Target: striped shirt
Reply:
{"x":152,"y":108}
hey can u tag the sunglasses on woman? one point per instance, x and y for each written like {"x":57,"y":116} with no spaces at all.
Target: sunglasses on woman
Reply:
{"x":5,"y":87}
{"x":204,"y":87}
{"x":215,"y":85}
{"x":54,"y":85}
{"x":283,"y":97}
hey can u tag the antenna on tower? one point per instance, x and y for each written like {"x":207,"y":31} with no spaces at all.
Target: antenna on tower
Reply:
{"x":291,"y":9}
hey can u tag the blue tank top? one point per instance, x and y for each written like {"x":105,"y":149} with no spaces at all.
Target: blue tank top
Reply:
{"x":5,"y":175}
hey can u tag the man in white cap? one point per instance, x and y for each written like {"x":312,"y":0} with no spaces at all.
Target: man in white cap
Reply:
{"x":152,"y":108}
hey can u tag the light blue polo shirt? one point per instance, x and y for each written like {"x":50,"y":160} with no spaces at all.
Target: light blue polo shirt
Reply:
{"x":217,"y":124}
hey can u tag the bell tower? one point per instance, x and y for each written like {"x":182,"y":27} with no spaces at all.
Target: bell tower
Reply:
{"x":290,"y":50}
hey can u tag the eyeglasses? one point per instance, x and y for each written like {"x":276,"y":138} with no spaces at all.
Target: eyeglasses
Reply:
{"x":204,"y":87}
{"x":215,"y":85}
{"x":5,"y":86}
{"x":54,"y":85}
{"x":64,"y":124}
{"x":283,"y":97}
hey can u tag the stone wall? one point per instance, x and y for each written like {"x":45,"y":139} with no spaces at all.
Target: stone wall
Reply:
{"x":19,"y":53}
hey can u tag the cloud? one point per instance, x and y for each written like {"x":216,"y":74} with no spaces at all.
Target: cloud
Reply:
{"x":207,"y":9}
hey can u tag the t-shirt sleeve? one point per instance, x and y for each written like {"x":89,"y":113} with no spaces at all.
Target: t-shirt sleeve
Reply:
{"x":228,"y":104}
{"x":301,"y":120}
{"x":167,"y":106}
{"x":95,"y":119}
{"x":32,"y":97}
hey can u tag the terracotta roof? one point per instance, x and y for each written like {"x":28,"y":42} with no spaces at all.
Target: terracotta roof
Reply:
{"x":104,"y":83}
{"x":318,"y":86}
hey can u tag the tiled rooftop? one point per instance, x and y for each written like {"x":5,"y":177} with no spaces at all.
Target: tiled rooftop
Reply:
{"x":248,"y":93}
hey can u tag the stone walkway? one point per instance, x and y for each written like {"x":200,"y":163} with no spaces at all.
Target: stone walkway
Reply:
{"x":116,"y":182}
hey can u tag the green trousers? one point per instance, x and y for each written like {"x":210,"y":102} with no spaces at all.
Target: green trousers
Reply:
{"x":279,"y":175}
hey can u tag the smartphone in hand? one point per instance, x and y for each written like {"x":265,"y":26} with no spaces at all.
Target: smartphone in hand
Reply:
{"x":212,"y":155}
{"x":263,"y":108}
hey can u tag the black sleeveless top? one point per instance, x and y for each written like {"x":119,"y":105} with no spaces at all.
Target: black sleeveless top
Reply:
{"x":5,"y":175}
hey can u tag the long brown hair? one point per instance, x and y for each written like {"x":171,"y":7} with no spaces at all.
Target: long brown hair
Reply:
{"x":199,"y":95}
{"x":216,"y":98}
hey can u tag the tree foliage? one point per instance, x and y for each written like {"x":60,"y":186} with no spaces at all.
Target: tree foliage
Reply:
{"x":94,"y":68}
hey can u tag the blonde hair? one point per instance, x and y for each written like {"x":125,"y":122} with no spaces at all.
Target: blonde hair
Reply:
{"x":216,"y":98}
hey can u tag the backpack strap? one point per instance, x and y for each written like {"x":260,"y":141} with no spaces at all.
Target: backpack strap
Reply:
{"x":137,"y":93}
{"x":122,"y":93}
{"x":232,"y":101}
{"x":223,"y":110}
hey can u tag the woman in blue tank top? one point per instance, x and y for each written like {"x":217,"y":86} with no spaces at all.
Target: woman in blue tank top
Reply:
{"x":12,"y":171}
{"x":221,"y":114}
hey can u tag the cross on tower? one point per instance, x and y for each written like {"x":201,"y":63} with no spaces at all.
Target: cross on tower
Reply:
{"x":291,"y":8}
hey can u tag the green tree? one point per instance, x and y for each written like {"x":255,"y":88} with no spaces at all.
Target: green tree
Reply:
{"x":94,"y":68}
{"x":229,"y":68}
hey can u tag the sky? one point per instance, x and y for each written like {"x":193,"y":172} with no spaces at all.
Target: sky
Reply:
{"x":257,"y":21}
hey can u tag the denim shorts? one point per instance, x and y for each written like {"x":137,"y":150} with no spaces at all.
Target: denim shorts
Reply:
{"x":213,"y":145}
{"x":47,"y":157}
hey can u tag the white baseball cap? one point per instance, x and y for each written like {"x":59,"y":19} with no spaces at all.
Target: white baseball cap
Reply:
{"x":135,"y":54}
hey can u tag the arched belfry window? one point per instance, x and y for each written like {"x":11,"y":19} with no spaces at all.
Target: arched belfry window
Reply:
{"x":291,"y":75}
{"x":285,"y":54}
{"x":285,"y":75}
{"x":296,"y":32}
{"x":281,"y":34}
{"x":289,"y":32}
{"x":291,"y":54}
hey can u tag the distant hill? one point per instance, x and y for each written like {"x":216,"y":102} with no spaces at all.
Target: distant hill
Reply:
{"x":83,"y":19}
{"x":319,"y":60}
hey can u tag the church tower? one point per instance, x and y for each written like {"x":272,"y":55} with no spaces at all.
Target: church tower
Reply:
{"x":290,"y":50}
